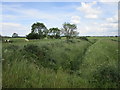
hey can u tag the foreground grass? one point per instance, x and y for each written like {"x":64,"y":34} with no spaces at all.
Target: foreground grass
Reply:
{"x":58,"y":64}
{"x":103,"y":55}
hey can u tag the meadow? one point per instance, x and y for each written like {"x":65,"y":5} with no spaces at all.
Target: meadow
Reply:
{"x":56,"y":63}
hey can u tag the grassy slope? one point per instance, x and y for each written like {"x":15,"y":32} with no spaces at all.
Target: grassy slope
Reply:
{"x":104,"y":53}
{"x":80,"y":57}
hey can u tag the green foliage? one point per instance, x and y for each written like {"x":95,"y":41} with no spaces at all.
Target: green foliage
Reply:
{"x":33,"y":36}
{"x":84,"y":38}
{"x":69,"y":30}
{"x":105,"y":75}
{"x":31,"y":49}
{"x":50,"y":36}
{"x":40,"y":55}
{"x":55,"y":63}
{"x":54,"y":32}
{"x":40,"y":29}
{"x":12,"y":47}
{"x":15,"y":35}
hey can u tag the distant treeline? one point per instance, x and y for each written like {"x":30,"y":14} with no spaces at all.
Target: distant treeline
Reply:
{"x":13,"y":37}
{"x":61,"y":36}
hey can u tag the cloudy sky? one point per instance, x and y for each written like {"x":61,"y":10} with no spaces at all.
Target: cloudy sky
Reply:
{"x":92,"y":18}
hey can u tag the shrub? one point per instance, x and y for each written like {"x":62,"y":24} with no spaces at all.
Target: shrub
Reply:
{"x":31,"y":48}
{"x":83,"y":38}
{"x":15,"y":35}
{"x":33,"y":36}
{"x":50,"y":36}
{"x":74,"y":65}
{"x":70,"y":41}
{"x":12,"y":47}
{"x":34,"y":54}
{"x":40,"y":55}
{"x":105,"y":76}
{"x":57,"y":37}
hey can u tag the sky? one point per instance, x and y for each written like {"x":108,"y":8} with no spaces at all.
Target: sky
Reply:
{"x":94,"y":18}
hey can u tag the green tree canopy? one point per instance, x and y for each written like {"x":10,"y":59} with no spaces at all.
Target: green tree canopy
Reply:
{"x":15,"y":35}
{"x":55,"y":32}
{"x":69,"y":30}
{"x":39,"y":28}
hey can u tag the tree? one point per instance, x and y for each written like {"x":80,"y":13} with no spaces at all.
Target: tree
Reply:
{"x":75,"y":33}
{"x":39,"y":28}
{"x":1,"y":37}
{"x":15,"y":35}
{"x":58,"y":32}
{"x":55,"y":32}
{"x":69,"y":30}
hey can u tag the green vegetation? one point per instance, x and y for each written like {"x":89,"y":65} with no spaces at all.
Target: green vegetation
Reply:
{"x":56,"y":63}
{"x":40,"y":31}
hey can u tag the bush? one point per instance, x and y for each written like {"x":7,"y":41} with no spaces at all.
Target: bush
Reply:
{"x":12,"y":47}
{"x":74,"y":65}
{"x":106,"y":76}
{"x":31,"y":48}
{"x":70,"y":41}
{"x":83,"y":38}
{"x":15,"y":35}
{"x":40,"y":55}
{"x":50,"y":36}
{"x":34,"y":54}
{"x":33,"y":36}
{"x":57,"y":37}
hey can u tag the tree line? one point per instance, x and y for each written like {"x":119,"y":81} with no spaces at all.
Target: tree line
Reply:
{"x":40,"y":31}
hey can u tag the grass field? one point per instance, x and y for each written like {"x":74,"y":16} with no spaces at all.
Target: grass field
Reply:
{"x":55,"y":63}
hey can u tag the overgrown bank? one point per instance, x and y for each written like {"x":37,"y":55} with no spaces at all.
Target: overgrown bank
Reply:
{"x":58,"y":63}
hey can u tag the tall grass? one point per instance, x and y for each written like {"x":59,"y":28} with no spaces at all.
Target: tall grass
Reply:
{"x":104,"y":53}
{"x":58,"y":64}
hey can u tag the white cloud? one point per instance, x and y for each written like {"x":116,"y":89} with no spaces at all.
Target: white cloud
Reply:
{"x":98,"y":29}
{"x":75,"y":19}
{"x":24,"y":13}
{"x":30,"y":15}
{"x":10,"y":28}
{"x":113,"y":19}
{"x":91,"y":16}
{"x":89,"y":10}
{"x":107,"y":27}
{"x":34,"y":15}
